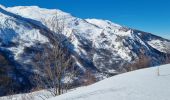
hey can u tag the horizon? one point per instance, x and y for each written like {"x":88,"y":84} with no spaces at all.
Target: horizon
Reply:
{"x":149,"y":16}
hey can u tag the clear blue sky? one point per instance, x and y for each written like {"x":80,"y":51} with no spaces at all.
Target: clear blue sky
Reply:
{"x":147,"y":15}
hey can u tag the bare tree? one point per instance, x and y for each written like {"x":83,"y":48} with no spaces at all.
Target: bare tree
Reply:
{"x":167,"y":58}
{"x":6,"y":84}
{"x":143,"y":61}
{"x":54,"y":62}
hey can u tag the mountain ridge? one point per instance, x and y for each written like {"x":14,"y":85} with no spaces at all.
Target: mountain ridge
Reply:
{"x":111,"y":27}
{"x":108,"y":26}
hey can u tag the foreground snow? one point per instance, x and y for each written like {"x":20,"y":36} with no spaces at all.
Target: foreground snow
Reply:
{"x":38,"y":95}
{"x":143,"y":84}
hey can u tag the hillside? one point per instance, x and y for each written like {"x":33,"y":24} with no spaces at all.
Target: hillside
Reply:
{"x":99,"y":46}
{"x":142,"y":84}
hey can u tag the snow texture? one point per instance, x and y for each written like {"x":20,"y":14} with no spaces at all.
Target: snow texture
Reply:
{"x":142,"y":84}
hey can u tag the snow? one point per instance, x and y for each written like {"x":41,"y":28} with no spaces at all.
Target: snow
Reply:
{"x":19,"y":31}
{"x":37,"y":95}
{"x":142,"y":84}
{"x":110,"y":27}
{"x":162,"y":46}
{"x":35,"y":12}
{"x":102,"y":23}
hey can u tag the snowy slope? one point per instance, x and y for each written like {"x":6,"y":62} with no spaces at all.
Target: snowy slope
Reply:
{"x":99,"y":44}
{"x":37,"y":95}
{"x":137,"y":85}
{"x":16,"y":35}
{"x":160,"y":45}
{"x":17,"y":31}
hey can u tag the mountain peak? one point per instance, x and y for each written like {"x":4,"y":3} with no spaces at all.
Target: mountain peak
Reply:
{"x":36,"y":11}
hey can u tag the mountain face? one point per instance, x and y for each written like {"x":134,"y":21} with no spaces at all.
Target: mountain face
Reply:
{"x":99,"y":45}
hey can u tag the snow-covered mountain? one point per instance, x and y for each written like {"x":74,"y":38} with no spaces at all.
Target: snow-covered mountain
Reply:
{"x":99,"y":45}
{"x":142,"y":84}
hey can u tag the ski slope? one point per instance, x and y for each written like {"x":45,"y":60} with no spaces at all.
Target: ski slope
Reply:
{"x":142,"y":84}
